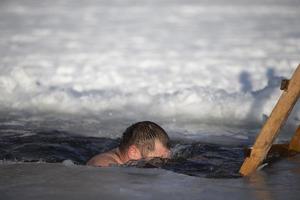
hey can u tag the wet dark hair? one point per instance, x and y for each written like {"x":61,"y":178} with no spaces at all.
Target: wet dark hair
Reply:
{"x":143,"y":135}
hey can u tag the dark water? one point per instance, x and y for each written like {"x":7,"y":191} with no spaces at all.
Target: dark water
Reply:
{"x":189,"y":157}
{"x":37,"y":163}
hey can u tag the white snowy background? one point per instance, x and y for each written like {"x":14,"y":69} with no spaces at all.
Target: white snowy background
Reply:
{"x":186,"y":64}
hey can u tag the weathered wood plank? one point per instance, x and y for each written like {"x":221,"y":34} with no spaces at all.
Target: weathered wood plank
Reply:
{"x":272,"y":126}
{"x":295,"y":142}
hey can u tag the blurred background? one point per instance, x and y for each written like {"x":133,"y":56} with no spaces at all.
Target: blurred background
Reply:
{"x":200,"y":68}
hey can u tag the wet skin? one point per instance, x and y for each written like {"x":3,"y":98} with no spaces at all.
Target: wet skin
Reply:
{"x":116,"y":157}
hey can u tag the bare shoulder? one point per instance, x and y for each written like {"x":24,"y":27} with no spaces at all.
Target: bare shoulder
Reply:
{"x":103,"y":160}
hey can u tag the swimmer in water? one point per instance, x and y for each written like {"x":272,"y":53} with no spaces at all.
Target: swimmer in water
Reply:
{"x":142,"y":140}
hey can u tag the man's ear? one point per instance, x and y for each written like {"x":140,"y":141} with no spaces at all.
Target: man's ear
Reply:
{"x":134,"y":153}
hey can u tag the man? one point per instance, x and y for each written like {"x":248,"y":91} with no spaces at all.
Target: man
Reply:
{"x":142,"y":140}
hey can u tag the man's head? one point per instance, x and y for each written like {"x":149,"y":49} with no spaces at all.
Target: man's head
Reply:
{"x":145,"y":140}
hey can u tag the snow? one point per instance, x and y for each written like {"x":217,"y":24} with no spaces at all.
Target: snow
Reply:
{"x":195,"y":62}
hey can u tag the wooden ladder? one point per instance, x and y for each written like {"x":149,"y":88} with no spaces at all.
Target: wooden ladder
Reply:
{"x":270,"y":130}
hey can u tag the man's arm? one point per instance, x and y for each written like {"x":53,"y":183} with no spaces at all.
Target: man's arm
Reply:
{"x":102,"y":160}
